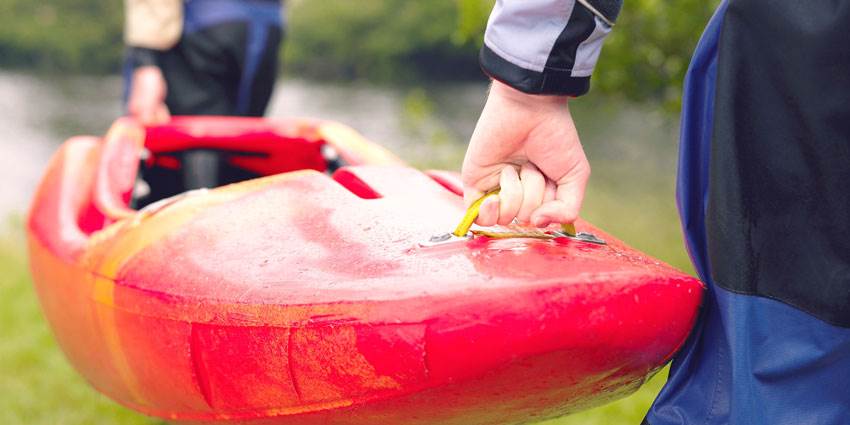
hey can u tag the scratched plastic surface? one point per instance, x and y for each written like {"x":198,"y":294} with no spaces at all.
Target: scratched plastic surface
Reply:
{"x":304,"y":298}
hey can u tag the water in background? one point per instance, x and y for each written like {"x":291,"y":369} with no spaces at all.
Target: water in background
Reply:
{"x":37,"y":113}
{"x":632,"y":148}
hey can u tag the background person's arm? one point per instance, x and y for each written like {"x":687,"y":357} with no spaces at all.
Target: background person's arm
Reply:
{"x":151,"y":26}
{"x":539,"y":53}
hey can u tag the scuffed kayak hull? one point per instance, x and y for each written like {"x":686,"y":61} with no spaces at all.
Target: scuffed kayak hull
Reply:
{"x":306,"y":298}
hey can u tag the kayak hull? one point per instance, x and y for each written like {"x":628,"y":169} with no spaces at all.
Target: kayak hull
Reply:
{"x":305,"y":297}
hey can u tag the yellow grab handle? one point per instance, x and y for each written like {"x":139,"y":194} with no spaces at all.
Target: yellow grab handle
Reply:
{"x":472,"y":213}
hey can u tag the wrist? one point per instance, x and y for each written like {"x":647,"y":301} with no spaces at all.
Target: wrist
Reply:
{"x":142,"y":56}
{"x":148,"y":72}
{"x":510,"y":94}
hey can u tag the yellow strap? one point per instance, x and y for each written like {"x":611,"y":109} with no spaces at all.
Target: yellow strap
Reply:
{"x":532,"y":234}
{"x":462,"y":229}
{"x":471,"y":214}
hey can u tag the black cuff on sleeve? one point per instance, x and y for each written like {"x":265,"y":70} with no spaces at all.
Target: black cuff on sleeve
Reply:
{"x":141,"y":56}
{"x":550,"y":81}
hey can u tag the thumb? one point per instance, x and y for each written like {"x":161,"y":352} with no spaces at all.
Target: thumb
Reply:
{"x":488,"y":211}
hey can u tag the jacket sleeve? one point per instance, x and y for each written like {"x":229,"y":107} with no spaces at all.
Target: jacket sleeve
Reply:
{"x":151,"y":26}
{"x":547,"y":46}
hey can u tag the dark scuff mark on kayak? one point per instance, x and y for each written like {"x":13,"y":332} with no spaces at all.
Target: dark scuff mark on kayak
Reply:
{"x":289,"y":362}
{"x":197,"y":366}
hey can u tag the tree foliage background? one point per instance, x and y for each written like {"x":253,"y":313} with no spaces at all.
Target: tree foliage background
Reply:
{"x":378,"y":40}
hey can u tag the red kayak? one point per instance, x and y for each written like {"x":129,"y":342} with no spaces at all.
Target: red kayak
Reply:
{"x":315,"y":297}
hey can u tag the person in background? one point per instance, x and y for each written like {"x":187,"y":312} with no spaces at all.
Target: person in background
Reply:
{"x":200,"y":57}
{"x":762,"y":190}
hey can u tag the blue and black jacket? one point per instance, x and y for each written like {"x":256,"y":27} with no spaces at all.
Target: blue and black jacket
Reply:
{"x":763,"y":192}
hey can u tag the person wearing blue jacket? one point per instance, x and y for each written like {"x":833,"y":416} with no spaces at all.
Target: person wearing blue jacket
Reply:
{"x":763,"y":190}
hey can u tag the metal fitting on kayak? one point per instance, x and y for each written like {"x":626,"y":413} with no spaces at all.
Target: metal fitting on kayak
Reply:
{"x":463,"y":231}
{"x":443,"y":239}
{"x":587,"y":237}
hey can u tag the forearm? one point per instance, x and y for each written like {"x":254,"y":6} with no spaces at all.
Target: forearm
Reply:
{"x":528,"y":101}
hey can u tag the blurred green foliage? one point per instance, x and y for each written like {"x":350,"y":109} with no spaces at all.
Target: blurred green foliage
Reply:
{"x":647,"y":54}
{"x":61,"y":35}
{"x":645,"y":58}
{"x":396,"y":40}
{"x":379,"y":40}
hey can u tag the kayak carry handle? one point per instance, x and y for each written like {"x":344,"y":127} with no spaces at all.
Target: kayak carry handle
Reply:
{"x":462,"y":229}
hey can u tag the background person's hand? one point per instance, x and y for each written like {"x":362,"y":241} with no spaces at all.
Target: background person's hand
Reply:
{"x":528,"y":146}
{"x":147,"y":96}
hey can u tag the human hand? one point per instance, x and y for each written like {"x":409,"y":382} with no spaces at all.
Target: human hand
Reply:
{"x":147,"y":96}
{"x":528,"y":146}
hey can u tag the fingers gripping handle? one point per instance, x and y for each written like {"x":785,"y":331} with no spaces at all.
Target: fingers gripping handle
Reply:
{"x":462,"y":229}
